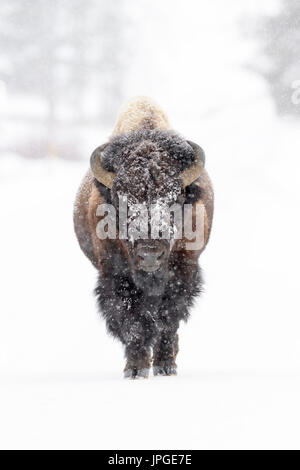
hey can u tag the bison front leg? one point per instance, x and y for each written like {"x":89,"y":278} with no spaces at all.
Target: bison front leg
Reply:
{"x":165,"y":352}
{"x":137,"y":337}
{"x":128,"y":318}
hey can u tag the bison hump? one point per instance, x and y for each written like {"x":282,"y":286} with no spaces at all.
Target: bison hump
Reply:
{"x":140,"y":112}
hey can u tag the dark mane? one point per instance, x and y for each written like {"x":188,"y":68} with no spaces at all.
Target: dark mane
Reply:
{"x":180,"y":153}
{"x":153,"y":159}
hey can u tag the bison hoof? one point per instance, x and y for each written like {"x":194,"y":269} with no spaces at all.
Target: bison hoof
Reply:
{"x":134,"y":373}
{"x":164,"y":370}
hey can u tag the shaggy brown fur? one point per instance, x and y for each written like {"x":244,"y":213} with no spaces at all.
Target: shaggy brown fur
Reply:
{"x":138,"y":113}
{"x":143,"y":309}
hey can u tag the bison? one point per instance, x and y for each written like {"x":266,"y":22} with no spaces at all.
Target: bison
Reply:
{"x":146,"y":285}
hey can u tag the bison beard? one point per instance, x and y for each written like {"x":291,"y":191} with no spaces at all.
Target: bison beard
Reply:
{"x":143,"y":320}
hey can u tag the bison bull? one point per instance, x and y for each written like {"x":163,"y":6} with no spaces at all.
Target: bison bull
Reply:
{"x":146,"y":284}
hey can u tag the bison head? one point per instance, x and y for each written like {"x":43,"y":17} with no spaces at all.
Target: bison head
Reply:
{"x":150,"y":168}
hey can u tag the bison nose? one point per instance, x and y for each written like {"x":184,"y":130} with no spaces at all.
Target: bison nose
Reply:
{"x":150,"y":259}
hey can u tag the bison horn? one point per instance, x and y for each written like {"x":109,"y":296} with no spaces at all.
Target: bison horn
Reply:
{"x":189,"y":175}
{"x":103,"y":176}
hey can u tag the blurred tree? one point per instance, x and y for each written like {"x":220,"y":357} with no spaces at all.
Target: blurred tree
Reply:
{"x":61,"y":51}
{"x":112,"y":59}
{"x":28,"y":43}
{"x":280,"y":35}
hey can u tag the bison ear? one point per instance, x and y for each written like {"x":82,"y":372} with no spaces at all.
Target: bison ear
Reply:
{"x":189,"y":175}
{"x":103,"y":176}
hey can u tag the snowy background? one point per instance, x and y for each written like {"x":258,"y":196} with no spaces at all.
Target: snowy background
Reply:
{"x":65,"y":67}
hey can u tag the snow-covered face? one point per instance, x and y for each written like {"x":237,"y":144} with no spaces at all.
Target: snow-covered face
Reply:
{"x":147,"y":168}
{"x":149,"y":183}
{"x":149,"y":224}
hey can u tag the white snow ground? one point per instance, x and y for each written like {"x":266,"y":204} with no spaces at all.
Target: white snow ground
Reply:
{"x":238,"y":386}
